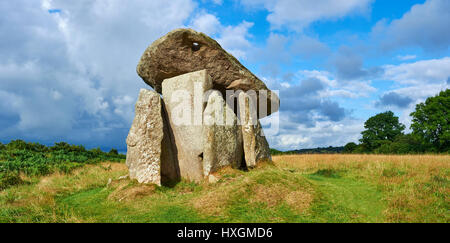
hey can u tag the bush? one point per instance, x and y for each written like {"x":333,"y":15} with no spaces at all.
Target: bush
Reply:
{"x":35,"y":159}
{"x":113,"y":151}
{"x":361,"y":149}
{"x":275,"y":152}
{"x":350,"y":148}
{"x":384,"y":147}
{"x":9,"y":179}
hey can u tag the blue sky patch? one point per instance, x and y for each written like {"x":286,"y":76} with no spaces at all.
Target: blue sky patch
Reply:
{"x":52,"y":11}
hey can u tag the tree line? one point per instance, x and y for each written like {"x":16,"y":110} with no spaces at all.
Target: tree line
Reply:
{"x":430,"y":130}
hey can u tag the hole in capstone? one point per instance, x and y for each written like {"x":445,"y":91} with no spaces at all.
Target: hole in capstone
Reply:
{"x":195,"y":46}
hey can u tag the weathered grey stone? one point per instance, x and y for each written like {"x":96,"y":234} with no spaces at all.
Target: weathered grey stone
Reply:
{"x":222,"y":136}
{"x":255,"y":145}
{"x":150,"y":156}
{"x":185,"y":50}
{"x":183,"y":99}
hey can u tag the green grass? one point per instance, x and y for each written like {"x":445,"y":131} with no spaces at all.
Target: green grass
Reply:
{"x":346,"y":199}
{"x":366,"y":191}
{"x":92,"y":206}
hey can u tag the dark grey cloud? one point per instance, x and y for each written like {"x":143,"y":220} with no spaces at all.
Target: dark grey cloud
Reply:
{"x":288,"y":77}
{"x":302,"y":102}
{"x":270,"y":70}
{"x":425,"y":25}
{"x":308,"y":47}
{"x":307,"y":87}
{"x":282,"y":49}
{"x":7,"y":117}
{"x":332,"y":110}
{"x":394,"y":99}
{"x":350,"y":66}
{"x":272,"y":55}
{"x":64,"y":78}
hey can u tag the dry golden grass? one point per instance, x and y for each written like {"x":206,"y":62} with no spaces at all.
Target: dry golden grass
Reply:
{"x":211,"y":203}
{"x":300,"y":200}
{"x":271,"y":195}
{"x":124,"y":191}
{"x":314,"y":161}
{"x":413,"y":185}
{"x":43,"y":194}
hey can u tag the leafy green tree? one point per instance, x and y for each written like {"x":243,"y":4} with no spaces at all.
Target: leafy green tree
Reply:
{"x":113,"y":151}
{"x":360,"y":149}
{"x":407,"y":144}
{"x":402,"y":144}
{"x":384,"y":147}
{"x":379,"y":128}
{"x":17,"y":144}
{"x":350,"y":147}
{"x":431,"y":122}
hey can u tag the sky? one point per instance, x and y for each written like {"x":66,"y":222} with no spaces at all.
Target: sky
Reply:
{"x":68,"y":67}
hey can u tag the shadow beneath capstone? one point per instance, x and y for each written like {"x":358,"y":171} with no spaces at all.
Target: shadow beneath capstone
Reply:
{"x":243,"y":165}
{"x":170,"y":173}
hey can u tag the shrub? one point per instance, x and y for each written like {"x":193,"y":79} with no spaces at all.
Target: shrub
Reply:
{"x":35,"y":159}
{"x":350,"y":147}
{"x":9,"y":179}
{"x":113,"y":151}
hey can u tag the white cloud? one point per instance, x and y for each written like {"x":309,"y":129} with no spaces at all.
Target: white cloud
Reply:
{"x":425,"y":25}
{"x":350,"y":89}
{"x":420,"y":72}
{"x":234,"y":39}
{"x":419,"y":93}
{"x":298,"y":14}
{"x":324,"y":133}
{"x":206,"y":23}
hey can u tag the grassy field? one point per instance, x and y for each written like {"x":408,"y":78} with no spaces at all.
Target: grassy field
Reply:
{"x":295,"y":188}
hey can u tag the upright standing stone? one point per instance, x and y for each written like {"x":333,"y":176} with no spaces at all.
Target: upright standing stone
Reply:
{"x":256,"y":147}
{"x":222,"y":136}
{"x":150,"y":156}
{"x":184,"y":100}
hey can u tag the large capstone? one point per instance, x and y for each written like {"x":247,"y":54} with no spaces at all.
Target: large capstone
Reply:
{"x":184,"y":101}
{"x":150,"y":155}
{"x":183,"y":51}
{"x":222,"y":137}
